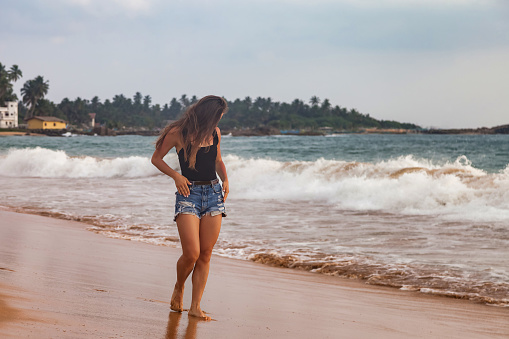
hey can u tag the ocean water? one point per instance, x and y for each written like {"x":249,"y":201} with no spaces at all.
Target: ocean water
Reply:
{"x":428,"y":213}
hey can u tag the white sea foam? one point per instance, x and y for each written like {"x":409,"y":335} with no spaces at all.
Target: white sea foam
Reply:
{"x":335,"y":136}
{"x":402,"y":185}
{"x":46,"y":163}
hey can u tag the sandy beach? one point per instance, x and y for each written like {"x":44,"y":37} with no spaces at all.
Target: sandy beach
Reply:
{"x":7,"y":134}
{"x":2,"y":133}
{"x":59,"y":280}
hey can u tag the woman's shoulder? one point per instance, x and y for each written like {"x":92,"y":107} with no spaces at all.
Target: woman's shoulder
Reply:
{"x":174,"y":136}
{"x":175,"y":130}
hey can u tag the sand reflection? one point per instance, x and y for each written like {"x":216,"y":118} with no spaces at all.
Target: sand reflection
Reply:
{"x":174,"y":329}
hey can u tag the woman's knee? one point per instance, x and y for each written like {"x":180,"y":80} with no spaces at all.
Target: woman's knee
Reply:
{"x":205,"y":255}
{"x":191,"y":255}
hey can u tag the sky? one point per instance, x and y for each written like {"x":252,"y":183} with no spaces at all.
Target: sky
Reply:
{"x":435,"y":63}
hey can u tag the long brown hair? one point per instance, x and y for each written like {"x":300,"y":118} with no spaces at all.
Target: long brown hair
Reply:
{"x":196,"y":125}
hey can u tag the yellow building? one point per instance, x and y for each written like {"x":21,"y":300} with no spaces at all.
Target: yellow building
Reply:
{"x":46,"y":123}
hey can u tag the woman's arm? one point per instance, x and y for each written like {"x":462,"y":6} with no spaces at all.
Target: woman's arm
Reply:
{"x":220,"y":167}
{"x":170,"y":140}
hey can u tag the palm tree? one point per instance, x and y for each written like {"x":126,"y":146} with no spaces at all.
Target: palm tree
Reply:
{"x":314,"y":101}
{"x":147,"y":100}
{"x":174,"y":109}
{"x":6,"y":79}
{"x":66,"y":106}
{"x":95,"y":102}
{"x":28,"y":96}
{"x":41,"y":86}
{"x":184,"y":101}
{"x":326,"y":105}
{"x":5,"y":84}
{"x":80,"y":110}
{"x":15,"y":73}
{"x":33,"y":91}
{"x":137,"y":99}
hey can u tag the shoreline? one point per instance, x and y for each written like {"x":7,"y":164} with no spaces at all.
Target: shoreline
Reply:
{"x":277,"y":261}
{"x":249,"y":132}
{"x":60,"y":280}
{"x":10,"y":133}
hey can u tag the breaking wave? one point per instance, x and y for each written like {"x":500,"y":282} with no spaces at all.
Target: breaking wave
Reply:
{"x":403,"y":185}
{"x":46,"y":163}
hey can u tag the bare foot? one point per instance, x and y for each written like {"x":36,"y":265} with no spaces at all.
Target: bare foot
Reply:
{"x":198,"y":313}
{"x":177,"y":303}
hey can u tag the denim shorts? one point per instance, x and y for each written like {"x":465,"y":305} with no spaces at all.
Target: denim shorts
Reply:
{"x":202,"y":200}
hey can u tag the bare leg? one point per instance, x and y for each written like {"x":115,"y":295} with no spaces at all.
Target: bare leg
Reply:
{"x":209,"y":232}
{"x":189,"y":232}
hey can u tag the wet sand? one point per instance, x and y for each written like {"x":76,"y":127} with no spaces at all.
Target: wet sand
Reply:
{"x":2,"y":133}
{"x":58,"y":280}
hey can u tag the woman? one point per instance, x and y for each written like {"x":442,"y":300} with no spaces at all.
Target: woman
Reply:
{"x":199,"y":205}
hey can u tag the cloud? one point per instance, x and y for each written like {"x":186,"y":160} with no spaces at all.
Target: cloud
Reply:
{"x":135,"y":5}
{"x":131,"y":7}
{"x":394,"y":3}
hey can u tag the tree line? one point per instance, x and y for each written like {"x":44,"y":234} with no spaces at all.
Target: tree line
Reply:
{"x":139,"y":111}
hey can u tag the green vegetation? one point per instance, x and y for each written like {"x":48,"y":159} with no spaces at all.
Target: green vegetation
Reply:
{"x":299,"y":115}
{"x":7,"y":77}
{"x":33,"y":92}
{"x":139,"y":112}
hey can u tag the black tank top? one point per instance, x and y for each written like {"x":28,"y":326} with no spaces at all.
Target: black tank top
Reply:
{"x":205,"y":162}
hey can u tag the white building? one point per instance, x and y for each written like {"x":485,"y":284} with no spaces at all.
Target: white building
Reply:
{"x":92,"y":120}
{"x":9,"y":115}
